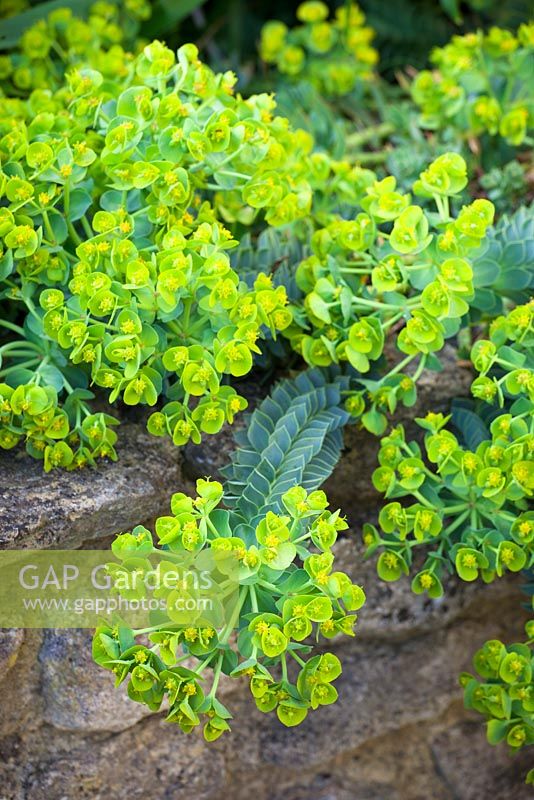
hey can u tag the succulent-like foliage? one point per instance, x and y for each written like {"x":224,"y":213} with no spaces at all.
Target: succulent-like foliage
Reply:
{"x":106,"y":189}
{"x":503,"y":264}
{"x":508,"y":186}
{"x":503,"y":691}
{"x":161,"y":235}
{"x":275,"y":252}
{"x":276,"y":534}
{"x":307,"y":108}
{"x":293,"y":438}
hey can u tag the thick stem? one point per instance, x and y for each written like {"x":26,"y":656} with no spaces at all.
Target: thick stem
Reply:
{"x":22,"y":365}
{"x":400,"y":366}
{"x":12,"y":327}
{"x":297,"y":658}
{"x":422,"y":499}
{"x":231,"y":624}
{"x":216,"y":676}
{"x":373,"y":132}
{"x":456,"y":524}
{"x":283,"y":661}
{"x":253,"y":599}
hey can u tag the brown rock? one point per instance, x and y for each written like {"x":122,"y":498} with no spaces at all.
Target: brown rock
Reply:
{"x":10,"y":641}
{"x":147,"y":761}
{"x":77,"y":694}
{"x":63,"y":509}
{"x":384,"y":687}
{"x":393,"y":611}
{"x":20,"y":701}
{"x":474,"y":770}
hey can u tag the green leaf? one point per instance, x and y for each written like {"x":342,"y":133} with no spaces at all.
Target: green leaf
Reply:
{"x":452,"y":8}
{"x":294,"y":437}
{"x":471,"y":426}
{"x":80,"y":201}
{"x":6,"y":265}
{"x":13,"y":28}
{"x":52,"y":377}
{"x":374,"y":421}
{"x":497,"y":730}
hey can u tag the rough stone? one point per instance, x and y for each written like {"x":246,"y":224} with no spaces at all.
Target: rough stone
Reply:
{"x":10,"y":768}
{"x":384,"y":687}
{"x":461,"y":756}
{"x":398,"y":732}
{"x":63,"y":509}
{"x":77,"y":694}
{"x":395,"y":699}
{"x":20,"y":699}
{"x":145,"y":761}
{"x":10,"y":642}
{"x":392,"y":611}
{"x":396,"y":766}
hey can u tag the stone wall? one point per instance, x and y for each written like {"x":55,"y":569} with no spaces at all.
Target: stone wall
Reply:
{"x":399,"y":731}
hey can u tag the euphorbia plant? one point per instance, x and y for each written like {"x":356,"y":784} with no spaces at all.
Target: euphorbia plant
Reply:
{"x":504,"y":692}
{"x":394,"y":265}
{"x":470,"y":502}
{"x":121,"y":192}
{"x":334,"y":55}
{"x":61,"y":40}
{"x":471,"y":511}
{"x":159,"y":231}
{"x":275,"y":537}
{"x":280,"y":604}
{"x":480,"y":86}
{"x":106,"y":188}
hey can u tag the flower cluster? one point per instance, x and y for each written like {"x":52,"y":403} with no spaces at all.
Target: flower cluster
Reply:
{"x":470,"y":510}
{"x":106,"y":190}
{"x":504,"y":692}
{"x":505,"y":361}
{"x":334,"y":55}
{"x":61,"y":41}
{"x":480,"y":85}
{"x":471,"y":503}
{"x":67,"y":435}
{"x":393,"y":265}
{"x":288,"y":591}
{"x":162,"y":234}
